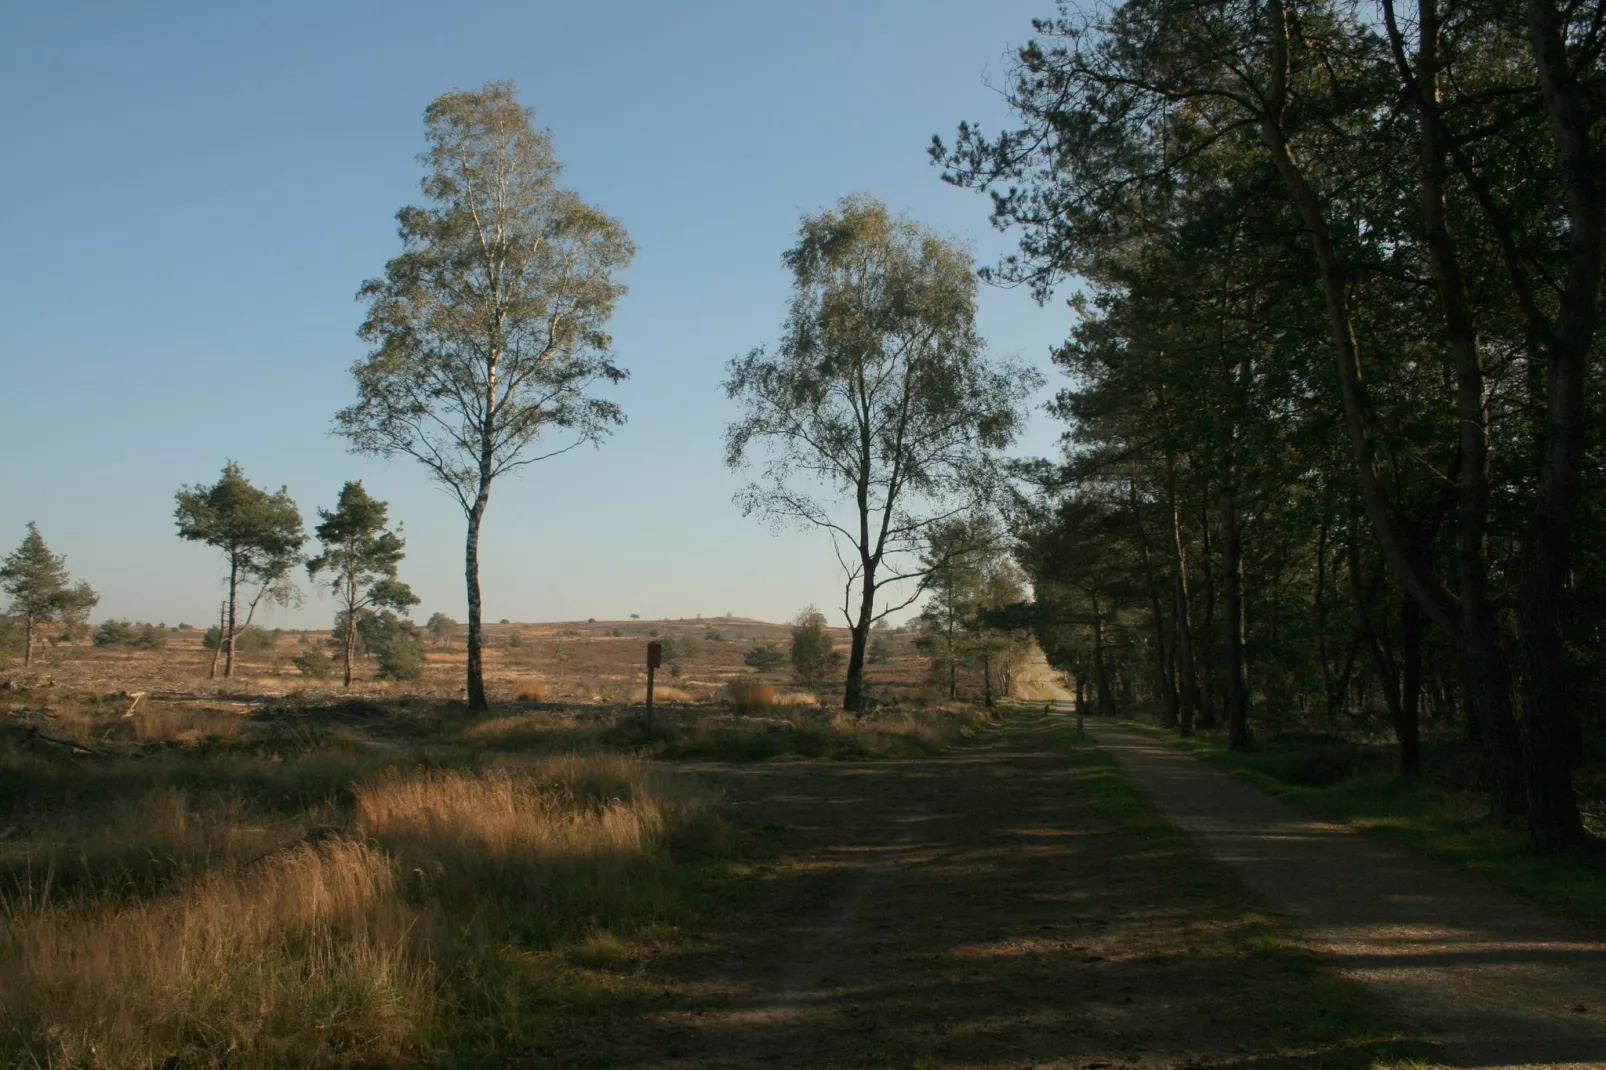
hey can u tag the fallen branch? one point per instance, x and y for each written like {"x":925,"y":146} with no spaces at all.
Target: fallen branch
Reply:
{"x":72,"y":745}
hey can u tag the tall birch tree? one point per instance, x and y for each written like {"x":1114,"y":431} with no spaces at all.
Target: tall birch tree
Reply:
{"x":879,"y":415}
{"x":488,"y":330}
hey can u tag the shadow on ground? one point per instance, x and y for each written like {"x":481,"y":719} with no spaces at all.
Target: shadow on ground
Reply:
{"x":1013,"y":904}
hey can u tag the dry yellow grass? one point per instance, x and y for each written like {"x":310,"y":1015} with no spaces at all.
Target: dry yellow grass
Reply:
{"x":498,"y":815}
{"x":660,"y":693}
{"x":309,"y":959}
{"x":750,"y":696}
{"x":169,"y":724}
{"x":363,"y":949}
{"x":530,"y":689}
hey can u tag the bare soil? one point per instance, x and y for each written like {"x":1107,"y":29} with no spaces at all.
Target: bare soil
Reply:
{"x":1013,"y":904}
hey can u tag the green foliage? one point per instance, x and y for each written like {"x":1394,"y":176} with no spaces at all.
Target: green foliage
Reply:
{"x":815,"y":658}
{"x":259,"y":535}
{"x":360,"y":558}
{"x":12,"y":637}
{"x":251,"y":640}
{"x":515,"y":638}
{"x":681,"y":648}
{"x":880,"y":397}
{"x":138,"y":636}
{"x":766,"y":658}
{"x":881,"y":650}
{"x":713,"y":636}
{"x":314,"y":664}
{"x":40,"y":590}
{"x":441,"y":629}
{"x":395,"y":642}
{"x":464,"y":373}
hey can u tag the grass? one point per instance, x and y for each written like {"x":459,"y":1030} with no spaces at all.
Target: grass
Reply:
{"x":273,"y":894}
{"x":1444,"y":814}
{"x":896,"y":732}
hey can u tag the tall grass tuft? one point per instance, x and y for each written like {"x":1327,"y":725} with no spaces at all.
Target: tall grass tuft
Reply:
{"x":416,"y":923}
{"x":750,"y":696}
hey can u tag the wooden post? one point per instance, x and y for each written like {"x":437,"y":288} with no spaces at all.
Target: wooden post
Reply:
{"x":655,"y":658}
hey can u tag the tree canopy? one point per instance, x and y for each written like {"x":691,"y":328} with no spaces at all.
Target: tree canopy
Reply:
{"x":879,"y":414}
{"x":489,"y":329}
{"x":40,"y":589}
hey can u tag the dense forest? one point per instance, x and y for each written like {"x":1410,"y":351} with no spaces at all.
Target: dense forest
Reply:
{"x":1332,"y":451}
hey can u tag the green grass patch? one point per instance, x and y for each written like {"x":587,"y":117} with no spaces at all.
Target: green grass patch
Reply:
{"x":1442,"y":815}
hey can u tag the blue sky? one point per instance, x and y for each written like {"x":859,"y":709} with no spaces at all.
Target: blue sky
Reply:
{"x":196,"y":190}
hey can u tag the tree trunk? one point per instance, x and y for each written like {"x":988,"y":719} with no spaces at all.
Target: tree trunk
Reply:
{"x":476,"y":638}
{"x":1237,"y":711}
{"x":1187,"y":683}
{"x":222,"y":625}
{"x":351,"y":636}
{"x":1549,"y":685}
{"x":1101,"y":676}
{"x":27,"y":640}
{"x":953,"y":654}
{"x":1206,"y":675}
{"x":1408,"y":727}
{"x":1484,"y":665}
{"x":1162,"y":653}
{"x":228,"y":633}
{"x":853,"y":698}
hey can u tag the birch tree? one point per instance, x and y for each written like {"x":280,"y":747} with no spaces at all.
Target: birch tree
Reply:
{"x":880,"y":413}
{"x":488,"y":330}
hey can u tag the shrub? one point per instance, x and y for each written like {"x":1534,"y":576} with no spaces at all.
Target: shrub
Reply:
{"x":814,"y":655}
{"x":531,"y":690}
{"x":881,"y":650}
{"x":678,"y":648}
{"x":137,"y":635}
{"x":713,"y":637}
{"x":314,"y":664}
{"x":515,"y":639}
{"x":441,"y":628}
{"x":764,"y":658}
{"x":750,"y":696}
{"x":11,"y":637}
{"x":251,"y":640}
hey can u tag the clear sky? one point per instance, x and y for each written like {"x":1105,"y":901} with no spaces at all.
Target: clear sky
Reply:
{"x":194,"y":192}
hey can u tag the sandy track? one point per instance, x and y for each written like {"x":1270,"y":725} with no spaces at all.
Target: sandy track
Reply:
{"x":985,"y":909}
{"x":1496,"y":981}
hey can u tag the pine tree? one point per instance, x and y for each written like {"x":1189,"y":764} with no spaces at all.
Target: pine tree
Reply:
{"x":360,"y":557}
{"x":40,"y":588}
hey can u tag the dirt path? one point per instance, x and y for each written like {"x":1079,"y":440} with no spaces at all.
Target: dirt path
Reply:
{"x":1499,"y":983}
{"x":1014,"y":904}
